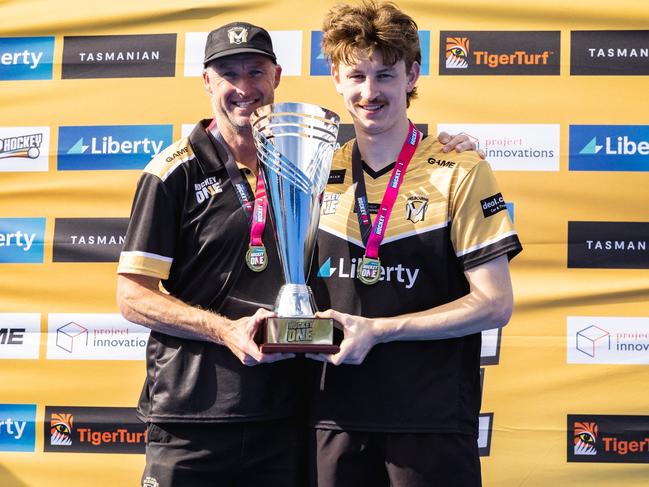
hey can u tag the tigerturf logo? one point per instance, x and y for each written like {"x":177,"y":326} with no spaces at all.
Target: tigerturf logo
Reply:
{"x":585,"y":438}
{"x":61,"y":429}
{"x":457,"y":52}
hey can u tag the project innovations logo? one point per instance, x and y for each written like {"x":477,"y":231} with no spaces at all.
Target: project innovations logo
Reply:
{"x":615,"y":340}
{"x":499,"y":52}
{"x":110,"y":146}
{"x":609,"y":148}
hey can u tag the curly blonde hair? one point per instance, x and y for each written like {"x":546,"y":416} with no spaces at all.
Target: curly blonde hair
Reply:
{"x":371,"y":27}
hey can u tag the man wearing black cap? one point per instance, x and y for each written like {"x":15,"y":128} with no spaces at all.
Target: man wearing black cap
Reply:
{"x":212,"y":418}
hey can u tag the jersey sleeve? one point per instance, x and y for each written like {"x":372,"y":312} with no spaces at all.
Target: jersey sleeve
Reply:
{"x":152,"y":231}
{"x":481,"y":228}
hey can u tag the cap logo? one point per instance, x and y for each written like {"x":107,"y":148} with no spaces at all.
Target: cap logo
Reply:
{"x":238,"y":35}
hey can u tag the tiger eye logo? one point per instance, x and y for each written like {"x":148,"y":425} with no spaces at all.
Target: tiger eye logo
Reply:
{"x":61,"y":429}
{"x":584,"y":438}
{"x":457,"y":52}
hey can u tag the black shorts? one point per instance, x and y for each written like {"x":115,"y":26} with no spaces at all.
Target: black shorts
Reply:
{"x":242,"y":454}
{"x":354,"y":459}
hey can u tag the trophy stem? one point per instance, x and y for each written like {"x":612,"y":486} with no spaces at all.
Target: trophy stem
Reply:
{"x":295,"y":301}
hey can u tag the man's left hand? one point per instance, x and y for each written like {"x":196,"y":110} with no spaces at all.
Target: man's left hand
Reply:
{"x":459,"y":142}
{"x":360,"y":336}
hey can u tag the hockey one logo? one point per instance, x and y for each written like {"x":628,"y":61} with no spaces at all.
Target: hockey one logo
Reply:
{"x":208,"y":188}
{"x":61,"y":429}
{"x":585,"y":438}
{"x":457,"y":52}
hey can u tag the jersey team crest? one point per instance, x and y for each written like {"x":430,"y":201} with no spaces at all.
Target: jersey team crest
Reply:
{"x":416,"y":208}
{"x":238,"y":35}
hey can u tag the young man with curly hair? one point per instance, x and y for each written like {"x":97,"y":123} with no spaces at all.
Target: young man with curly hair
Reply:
{"x":416,"y":244}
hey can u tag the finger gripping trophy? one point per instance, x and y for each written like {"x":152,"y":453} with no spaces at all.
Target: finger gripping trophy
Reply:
{"x":295,"y":144}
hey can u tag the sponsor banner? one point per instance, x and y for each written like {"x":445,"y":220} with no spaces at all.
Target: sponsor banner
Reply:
{"x":485,"y":424}
{"x":20,"y":335}
{"x":24,"y":149}
{"x":510,"y":147}
{"x":119,"y":56}
{"x":21,"y":240}
{"x":25,"y":58}
{"x":346,"y":133}
{"x":607,"y":438}
{"x":609,"y":52}
{"x":490,"y":351}
{"x":94,"y":336}
{"x":608,"y":245}
{"x":320,"y":64}
{"x":88,"y":239}
{"x":344,"y":269}
{"x":464,"y":53}
{"x":287,"y":45}
{"x":609,"y":148}
{"x":103,"y":147}
{"x":608,"y":340}
{"x":72,"y":429}
{"x":18,"y":427}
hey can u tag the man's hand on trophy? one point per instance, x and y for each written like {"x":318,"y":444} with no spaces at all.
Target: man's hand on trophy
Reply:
{"x":239,"y":337}
{"x":458,"y":142}
{"x":359,"y":337}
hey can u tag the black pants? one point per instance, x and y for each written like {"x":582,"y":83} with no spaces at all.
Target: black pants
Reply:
{"x":357,"y":459}
{"x":242,"y":454}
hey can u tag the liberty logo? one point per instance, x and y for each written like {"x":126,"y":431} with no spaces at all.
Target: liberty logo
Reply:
{"x":238,"y":35}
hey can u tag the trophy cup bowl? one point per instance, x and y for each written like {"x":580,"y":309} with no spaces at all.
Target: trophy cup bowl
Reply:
{"x":295,"y":145}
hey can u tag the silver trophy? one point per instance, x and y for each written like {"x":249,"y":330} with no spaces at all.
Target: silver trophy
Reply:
{"x":295,"y":144}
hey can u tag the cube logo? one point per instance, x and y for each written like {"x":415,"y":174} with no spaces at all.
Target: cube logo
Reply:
{"x":591,"y":338}
{"x":26,"y":58}
{"x":70,"y":334}
{"x":17,"y":427}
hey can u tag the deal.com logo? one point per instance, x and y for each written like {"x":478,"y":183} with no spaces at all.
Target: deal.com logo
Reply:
{"x":609,"y":148}
{"x":398,"y":273}
{"x":111,"y":146}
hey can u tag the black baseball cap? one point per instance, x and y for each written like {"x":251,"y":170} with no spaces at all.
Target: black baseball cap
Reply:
{"x":238,"y":38}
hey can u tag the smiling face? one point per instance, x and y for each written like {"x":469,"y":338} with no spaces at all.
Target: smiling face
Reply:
{"x":237,"y":86}
{"x":375,"y":94}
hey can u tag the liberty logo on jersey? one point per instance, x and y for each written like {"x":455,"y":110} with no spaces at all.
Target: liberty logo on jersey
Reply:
{"x":347,"y":270}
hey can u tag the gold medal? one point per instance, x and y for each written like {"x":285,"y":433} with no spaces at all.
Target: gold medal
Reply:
{"x":368,"y":270}
{"x":256,"y":258}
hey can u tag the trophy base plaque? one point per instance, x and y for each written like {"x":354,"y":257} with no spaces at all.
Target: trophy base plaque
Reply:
{"x":298,"y":335}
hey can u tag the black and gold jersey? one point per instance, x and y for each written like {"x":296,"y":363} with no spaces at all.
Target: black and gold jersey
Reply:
{"x":189,"y":229}
{"x":449,"y":216}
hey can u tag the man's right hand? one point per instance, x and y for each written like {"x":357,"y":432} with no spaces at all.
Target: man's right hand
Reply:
{"x":239,"y":337}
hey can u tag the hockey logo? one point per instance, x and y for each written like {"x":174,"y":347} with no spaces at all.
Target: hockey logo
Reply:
{"x":238,"y":35}
{"x":457,"y":52}
{"x":584,"y":438}
{"x":22,"y":146}
{"x":416,"y":208}
{"x":61,"y":429}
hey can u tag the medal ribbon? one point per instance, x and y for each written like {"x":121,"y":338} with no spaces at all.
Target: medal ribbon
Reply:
{"x":372,"y":235}
{"x":257,"y":210}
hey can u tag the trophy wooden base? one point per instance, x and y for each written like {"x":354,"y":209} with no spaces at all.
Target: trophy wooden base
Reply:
{"x":298,"y":335}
